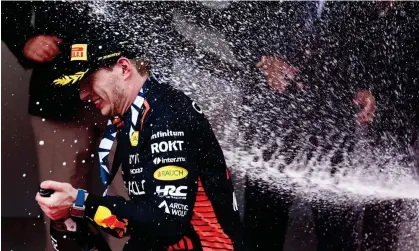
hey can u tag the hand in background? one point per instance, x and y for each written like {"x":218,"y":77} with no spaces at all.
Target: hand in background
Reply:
{"x":42,"y":48}
{"x":366,"y":101}
{"x":278,"y":73}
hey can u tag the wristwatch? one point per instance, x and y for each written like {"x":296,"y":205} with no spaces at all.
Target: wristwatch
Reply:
{"x":77,"y":210}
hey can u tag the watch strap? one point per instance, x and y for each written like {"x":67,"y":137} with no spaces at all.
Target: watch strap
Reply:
{"x":80,"y":198}
{"x":77,"y":210}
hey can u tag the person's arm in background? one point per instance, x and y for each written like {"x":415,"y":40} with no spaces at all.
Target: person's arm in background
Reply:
{"x":271,"y":41}
{"x":387,"y":70}
{"x":17,"y":28}
{"x":22,"y":38}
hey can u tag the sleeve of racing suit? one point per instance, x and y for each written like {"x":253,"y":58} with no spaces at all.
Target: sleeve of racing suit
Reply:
{"x":216,"y":180}
{"x":17,"y":28}
{"x":169,"y":182}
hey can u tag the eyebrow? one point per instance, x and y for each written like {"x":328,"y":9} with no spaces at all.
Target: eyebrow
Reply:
{"x":86,"y":82}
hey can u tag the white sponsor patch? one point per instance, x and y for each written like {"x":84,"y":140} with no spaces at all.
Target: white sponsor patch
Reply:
{"x":136,"y":189}
{"x":172,"y":192}
{"x":168,"y":160}
{"x":174,"y":208}
{"x":167,"y":146}
{"x":167,"y":133}
{"x":134,"y":159}
{"x":136,"y":170}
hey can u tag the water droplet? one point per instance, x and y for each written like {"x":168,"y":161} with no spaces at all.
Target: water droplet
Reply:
{"x":75,"y":141}
{"x":64,"y":163}
{"x":92,"y":155}
{"x":43,"y":120}
{"x":83,"y":161}
{"x":24,"y":175}
{"x":41,"y":143}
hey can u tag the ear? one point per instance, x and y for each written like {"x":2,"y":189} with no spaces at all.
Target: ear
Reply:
{"x":126,"y":67}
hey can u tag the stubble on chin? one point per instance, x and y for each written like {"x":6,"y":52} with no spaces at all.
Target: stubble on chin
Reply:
{"x":117,"y":105}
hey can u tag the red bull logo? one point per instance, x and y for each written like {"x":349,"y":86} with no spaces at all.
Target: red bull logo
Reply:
{"x":104,"y":218}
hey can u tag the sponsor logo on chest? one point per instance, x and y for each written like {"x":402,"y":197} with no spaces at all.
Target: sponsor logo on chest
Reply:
{"x":172,"y":192}
{"x":168,"y":160}
{"x":134,"y":188}
{"x":174,"y":208}
{"x":167,"y":133}
{"x":170,"y":173}
{"x":167,"y":146}
{"x":134,"y":159}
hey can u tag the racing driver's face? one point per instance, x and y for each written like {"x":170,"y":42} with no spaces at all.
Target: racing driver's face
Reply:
{"x":104,"y":89}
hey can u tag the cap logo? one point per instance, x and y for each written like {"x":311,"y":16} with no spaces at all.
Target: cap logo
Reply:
{"x":70,"y":79}
{"x":79,"y":52}
{"x":110,"y":56}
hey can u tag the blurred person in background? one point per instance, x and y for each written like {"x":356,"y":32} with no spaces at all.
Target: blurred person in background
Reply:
{"x":221,"y":49}
{"x":341,"y":49}
{"x":64,"y":128}
{"x":246,"y":60}
{"x":391,"y":67}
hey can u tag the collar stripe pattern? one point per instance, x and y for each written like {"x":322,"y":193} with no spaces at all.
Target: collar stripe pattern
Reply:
{"x":112,"y":128}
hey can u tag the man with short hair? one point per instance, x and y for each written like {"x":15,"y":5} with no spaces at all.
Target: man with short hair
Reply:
{"x":173,"y":168}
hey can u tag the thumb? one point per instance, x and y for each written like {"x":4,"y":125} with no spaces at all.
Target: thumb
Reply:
{"x":54,"y":185}
{"x":261,"y":62}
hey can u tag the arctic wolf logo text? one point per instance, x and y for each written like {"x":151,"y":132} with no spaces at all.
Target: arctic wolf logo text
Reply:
{"x":167,"y":134}
{"x":176,"y":208}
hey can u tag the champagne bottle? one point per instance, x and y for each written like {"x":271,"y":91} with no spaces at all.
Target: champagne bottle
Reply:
{"x":70,"y":234}
{"x":63,"y":232}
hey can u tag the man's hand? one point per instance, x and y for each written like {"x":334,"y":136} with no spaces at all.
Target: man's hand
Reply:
{"x":42,"y":48}
{"x":58,"y":205}
{"x":366,"y":101}
{"x":278,"y":73}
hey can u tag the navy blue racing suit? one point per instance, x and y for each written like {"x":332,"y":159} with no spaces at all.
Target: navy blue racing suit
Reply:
{"x":182,"y":197}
